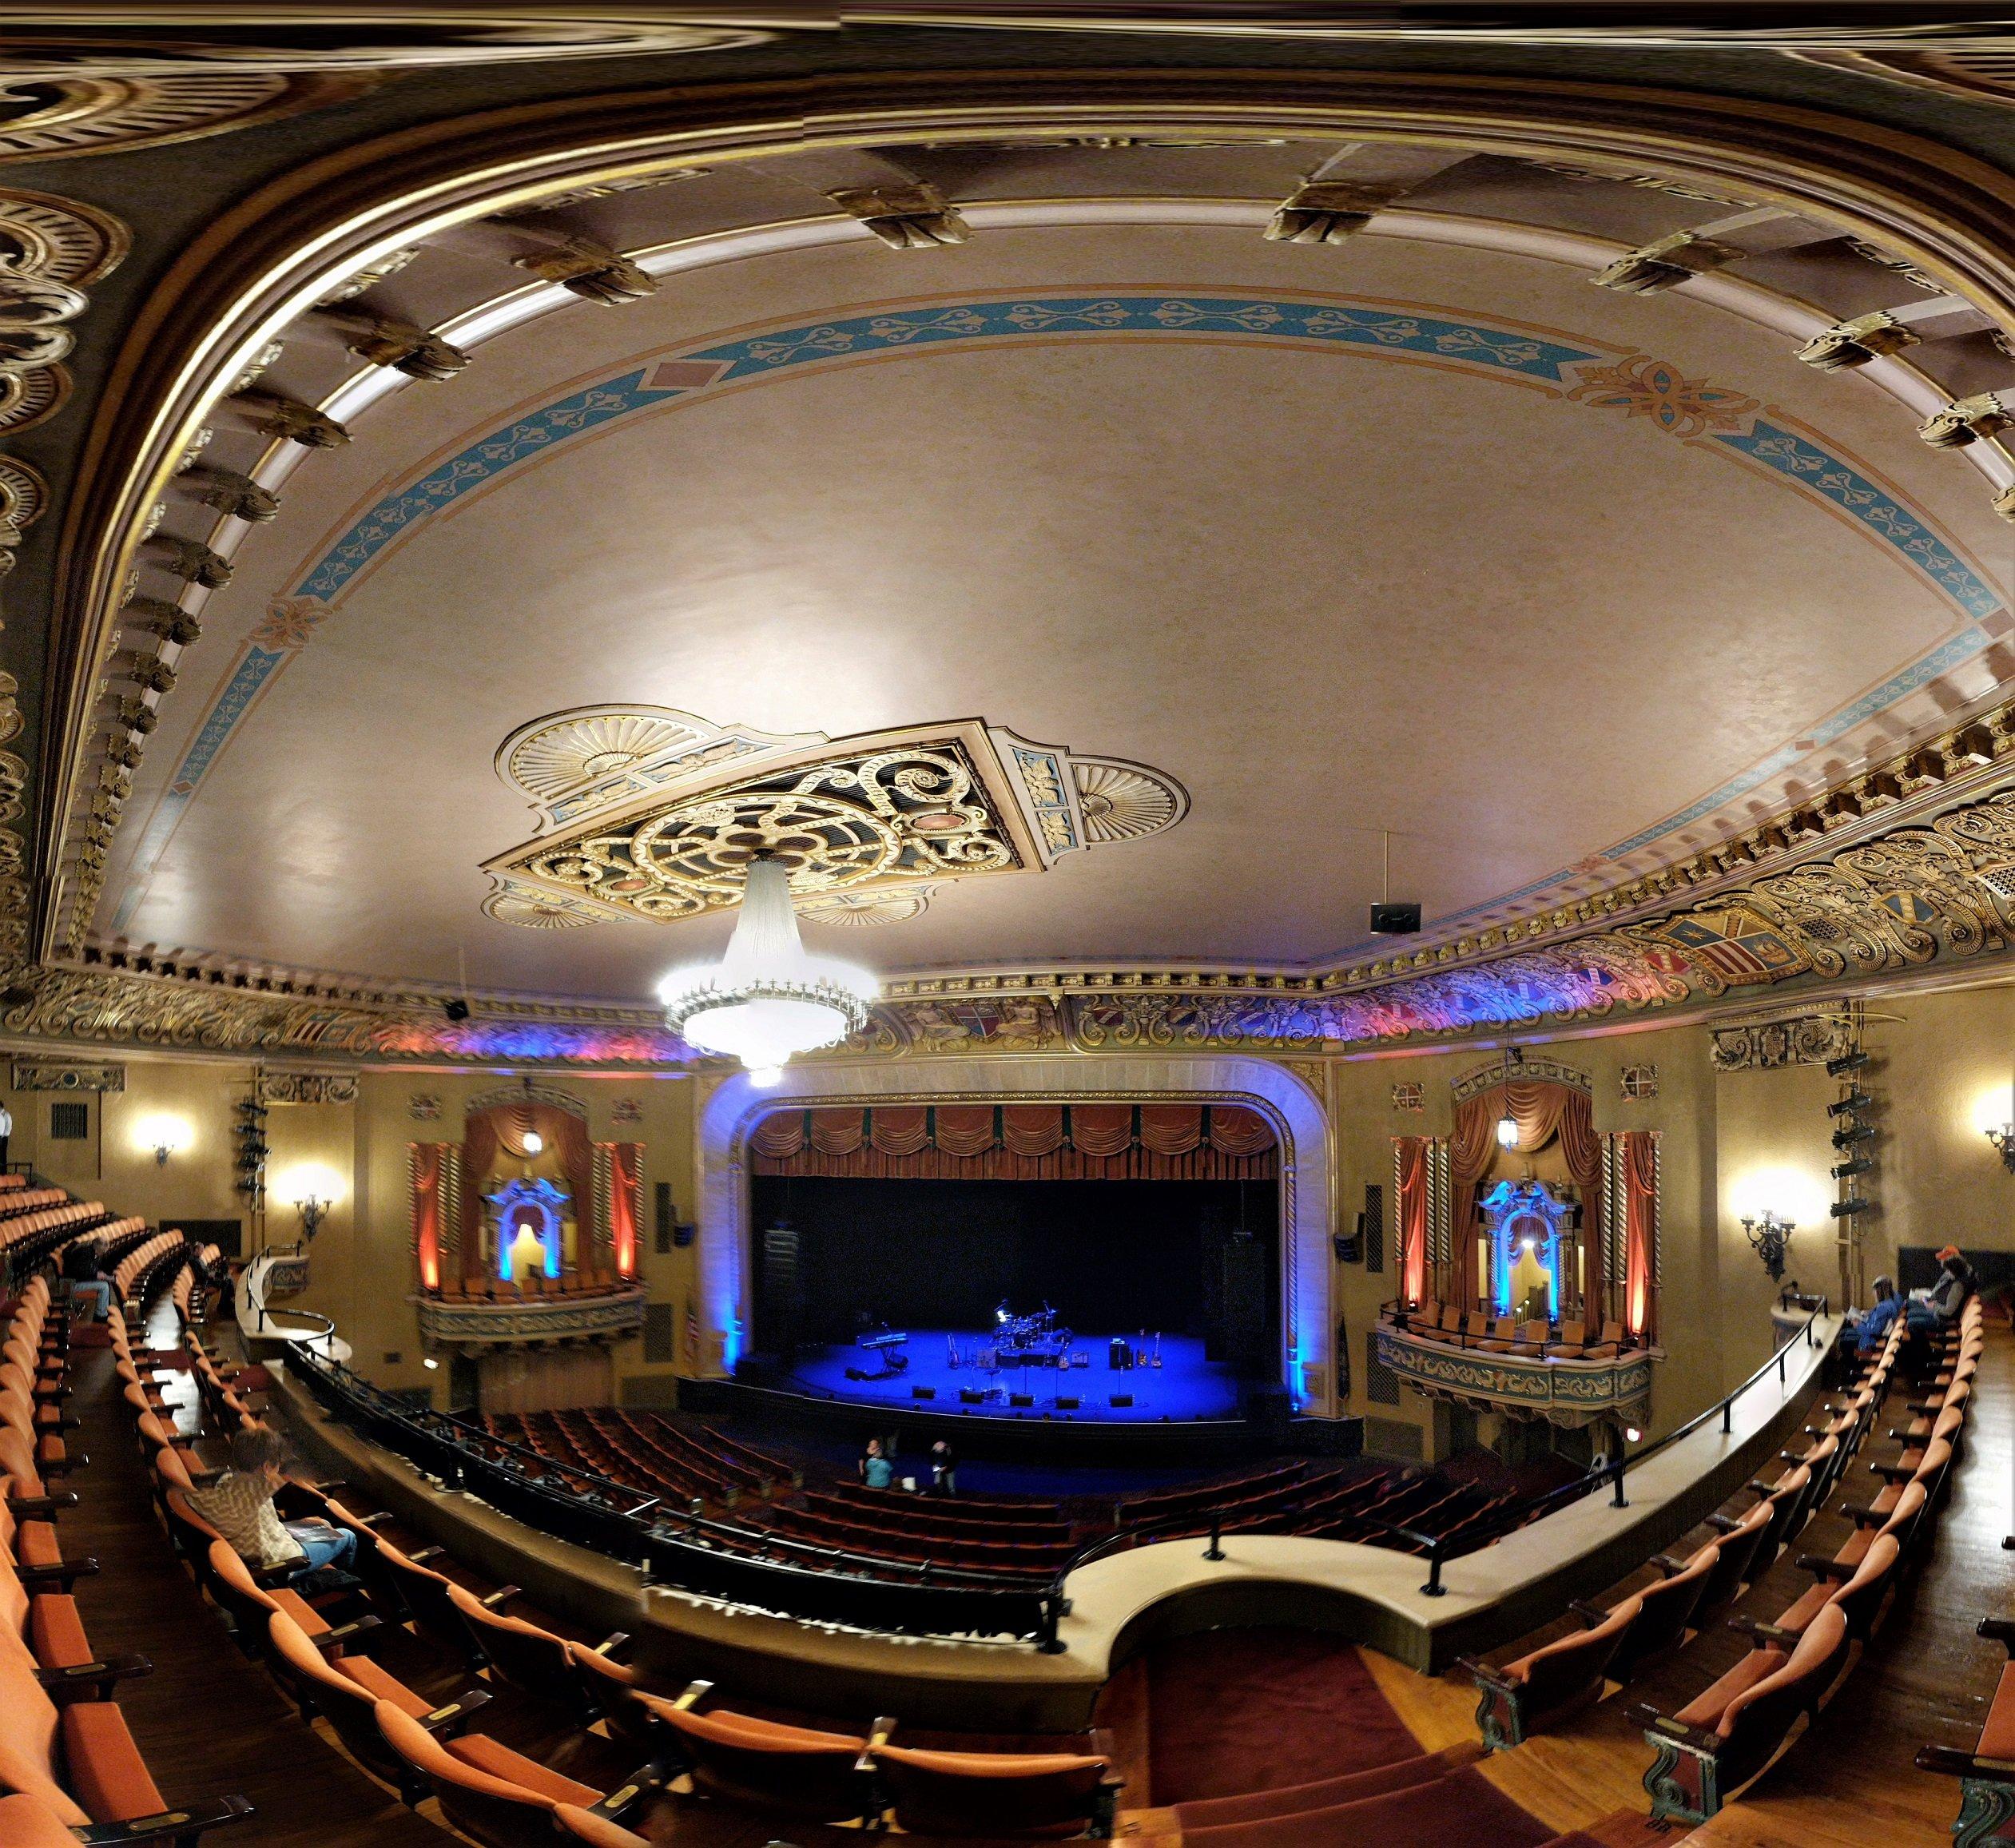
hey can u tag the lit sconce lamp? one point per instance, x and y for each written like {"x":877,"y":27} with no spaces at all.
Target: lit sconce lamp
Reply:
{"x":1632,"y":1433}
{"x":165,"y":1135}
{"x":2002,"y":1136}
{"x":311,"y":1191}
{"x":1508,"y":1124}
{"x":1770,"y":1235}
{"x":431,"y":1365}
{"x":533,"y":1142}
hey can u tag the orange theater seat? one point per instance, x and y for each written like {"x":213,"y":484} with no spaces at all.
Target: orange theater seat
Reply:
{"x":794,"y":1770}
{"x":1559,"y":1678}
{"x":1046,"y":1795}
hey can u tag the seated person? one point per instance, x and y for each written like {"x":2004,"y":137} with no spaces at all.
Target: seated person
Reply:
{"x":239,"y":1505}
{"x":1955,"y":1287}
{"x":1874,"y":1326}
{"x":81,"y":1259}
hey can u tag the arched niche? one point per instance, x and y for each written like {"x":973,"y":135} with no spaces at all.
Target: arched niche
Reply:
{"x":725,"y":1237}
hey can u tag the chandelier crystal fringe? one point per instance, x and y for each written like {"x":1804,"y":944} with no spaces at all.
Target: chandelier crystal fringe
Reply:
{"x":767,"y":999}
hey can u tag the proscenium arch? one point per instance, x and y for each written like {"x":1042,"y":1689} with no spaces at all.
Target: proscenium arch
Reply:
{"x":726,"y":1236}
{"x":270,"y":258}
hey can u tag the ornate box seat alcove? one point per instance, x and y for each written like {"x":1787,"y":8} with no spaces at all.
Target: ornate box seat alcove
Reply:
{"x":1528,"y":1253}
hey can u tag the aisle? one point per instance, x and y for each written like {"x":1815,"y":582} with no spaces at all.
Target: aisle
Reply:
{"x":207,"y":1721}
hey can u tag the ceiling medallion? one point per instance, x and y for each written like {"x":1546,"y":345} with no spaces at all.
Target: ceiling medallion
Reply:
{"x":653,"y":813}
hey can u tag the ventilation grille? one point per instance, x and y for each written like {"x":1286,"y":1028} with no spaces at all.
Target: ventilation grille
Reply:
{"x":1394,"y":1437}
{"x":1381,"y":1384}
{"x":658,"y":1350}
{"x":1374,"y":1227}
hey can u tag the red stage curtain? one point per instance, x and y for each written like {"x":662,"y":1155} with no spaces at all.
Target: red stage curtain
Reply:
{"x":1412,"y":1218}
{"x":903,"y":1129}
{"x":1542,"y":1110}
{"x":428,"y":1162}
{"x":1031,"y":1128}
{"x":568,"y":1136}
{"x":1640,"y":1212}
{"x":1235,"y":1130}
{"x":780,"y":1135}
{"x":1172,"y":1129}
{"x":964,"y":1129}
{"x":480,"y":1143}
{"x":838,"y":1132}
{"x":625,"y":1202}
{"x":1102,"y":1129}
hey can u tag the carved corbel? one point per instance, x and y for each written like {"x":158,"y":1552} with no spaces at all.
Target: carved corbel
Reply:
{"x":149,"y":671}
{"x":417,"y":352}
{"x":1853,"y":342}
{"x":1680,"y":256}
{"x":1328,"y":211}
{"x":190,"y":560}
{"x":1967,"y":420}
{"x":916,"y":217}
{"x":238,"y":496}
{"x":592,"y":270}
{"x":123,"y":748}
{"x":135,"y":716}
{"x":158,"y":616}
{"x":291,"y":420}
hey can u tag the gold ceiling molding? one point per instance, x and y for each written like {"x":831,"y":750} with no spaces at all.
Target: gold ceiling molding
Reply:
{"x":1979,"y":73}
{"x":655,"y":813}
{"x":1938,"y":208}
{"x":77,"y":113}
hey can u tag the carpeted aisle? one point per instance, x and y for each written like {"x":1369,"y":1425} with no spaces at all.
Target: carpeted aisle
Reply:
{"x":1234,"y":1712}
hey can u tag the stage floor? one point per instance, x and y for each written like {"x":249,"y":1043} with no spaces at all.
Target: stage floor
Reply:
{"x":1183,"y":1388}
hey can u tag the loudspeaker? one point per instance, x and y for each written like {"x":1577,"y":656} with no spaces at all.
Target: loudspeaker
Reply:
{"x":779,"y":1293}
{"x":1066,"y":1401}
{"x":1244,"y":1327}
{"x":971,"y":1396}
{"x":1349,"y":1251}
{"x":663,"y":1204}
{"x":1021,"y":1398}
{"x":1120,"y":1398}
{"x":1395,"y":921}
{"x":456,"y":1011}
{"x":682,"y":1233}
{"x":923,"y":1391}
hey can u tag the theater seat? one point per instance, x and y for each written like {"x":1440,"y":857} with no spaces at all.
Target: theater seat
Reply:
{"x":533,"y":1661}
{"x":819,"y":1777}
{"x":1856,"y":1590}
{"x":608,"y":1688}
{"x":1667,"y":1608}
{"x":1739,"y":1543}
{"x":1727,"y":1736}
{"x":1555,"y":1679}
{"x":1041,"y":1795}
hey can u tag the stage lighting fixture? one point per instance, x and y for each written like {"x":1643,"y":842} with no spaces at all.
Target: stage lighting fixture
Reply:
{"x":1854,"y":1132}
{"x":1860,"y":1165}
{"x":1845,"y":1208}
{"x":1847,"y":1062}
{"x":457,"y":1011}
{"x":1395,"y":921}
{"x":1854,"y":1101}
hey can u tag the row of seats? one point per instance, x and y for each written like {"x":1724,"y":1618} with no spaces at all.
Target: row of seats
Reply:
{"x":504,"y":1290}
{"x":67,"y":1760}
{"x":1507,"y":1334}
{"x":39,"y":1221}
{"x":423,"y":1740}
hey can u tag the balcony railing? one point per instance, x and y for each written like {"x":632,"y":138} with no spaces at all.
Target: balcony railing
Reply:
{"x":468,"y":1320}
{"x":1566,"y":1392}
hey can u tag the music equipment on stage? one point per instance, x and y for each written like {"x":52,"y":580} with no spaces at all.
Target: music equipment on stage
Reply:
{"x":1067,"y":1402}
{"x":1021,"y":1398}
{"x":1120,"y":1355}
{"x":973,"y":1395}
{"x":1121,"y":1401}
{"x":882,"y":1337}
{"x":923,"y":1391}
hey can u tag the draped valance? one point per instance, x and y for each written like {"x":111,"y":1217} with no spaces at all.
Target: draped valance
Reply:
{"x":1018,"y":1142}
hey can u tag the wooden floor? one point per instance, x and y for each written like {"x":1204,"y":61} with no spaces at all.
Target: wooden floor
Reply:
{"x":207,"y":1721}
{"x":1849,"y":1781}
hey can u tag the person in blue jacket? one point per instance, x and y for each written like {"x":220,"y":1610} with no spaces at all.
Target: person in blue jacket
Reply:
{"x":1873,"y":1328}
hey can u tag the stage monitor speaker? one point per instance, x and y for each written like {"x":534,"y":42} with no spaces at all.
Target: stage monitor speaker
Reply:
{"x":1395,"y":921}
{"x":664,"y":1202}
{"x":1121,"y":1401}
{"x":971,"y":1396}
{"x":1066,"y":1401}
{"x":923,"y":1391}
{"x":1021,"y":1398}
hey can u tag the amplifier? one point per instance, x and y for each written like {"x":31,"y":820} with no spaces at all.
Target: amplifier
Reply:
{"x":923,"y":1391}
{"x":971,"y":1396}
{"x":1066,"y":1401}
{"x":1021,"y":1398}
{"x":1122,"y":1399}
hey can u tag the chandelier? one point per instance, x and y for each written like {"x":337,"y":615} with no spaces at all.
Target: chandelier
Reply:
{"x":767,"y":999}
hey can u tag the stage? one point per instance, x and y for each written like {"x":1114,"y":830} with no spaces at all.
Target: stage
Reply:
{"x":1185,"y":1388}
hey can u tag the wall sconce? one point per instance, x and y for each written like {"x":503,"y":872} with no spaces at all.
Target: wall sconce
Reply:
{"x":1770,"y":1235}
{"x":165,"y":1135}
{"x":2003,"y":1137}
{"x":311,"y":1191}
{"x":533,"y":1142}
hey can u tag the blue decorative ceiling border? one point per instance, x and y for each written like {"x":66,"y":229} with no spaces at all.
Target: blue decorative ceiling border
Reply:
{"x":1375,"y":330}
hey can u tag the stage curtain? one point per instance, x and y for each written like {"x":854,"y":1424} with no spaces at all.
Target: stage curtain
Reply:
{"x":838,"y":1132}
{"x":780,"y":1136}
{"x":625,"y":1202}
{"x":1542,"y":1110}
{"x":1640,"y":1221}
{"x":1413,"y":1217}
{"x":1172,"y":1129}
{"x":428,"y":1162}
{"x":1235,"y":1130}
{"x":1102,"y":1129}
{"x":900,"y":1129}
{"x":966,"y":1130}
{"x":1031,"y":1128}
{"x":568,"y":1135}
{"x":479,"y":1145}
